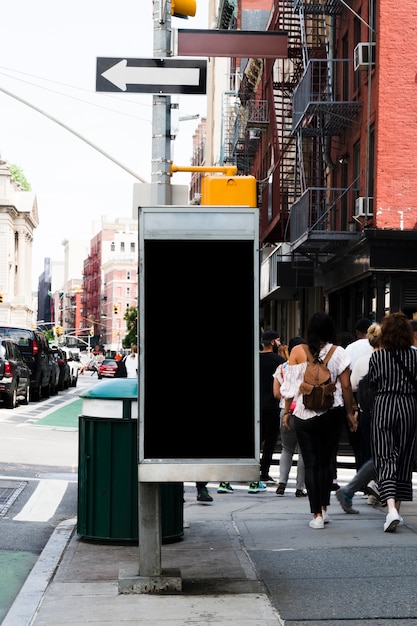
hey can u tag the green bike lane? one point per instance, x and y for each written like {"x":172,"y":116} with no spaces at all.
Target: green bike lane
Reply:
{"x":16,"y":565}
{"x":65,"y":416}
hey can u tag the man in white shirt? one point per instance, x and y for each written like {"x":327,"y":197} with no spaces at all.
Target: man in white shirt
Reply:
{"x":361,"y":346}
{"x":356,"y":350}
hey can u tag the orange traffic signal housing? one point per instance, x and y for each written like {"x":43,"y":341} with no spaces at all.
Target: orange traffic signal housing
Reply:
{"x":229,"y":191}
{"x":183,"y":8}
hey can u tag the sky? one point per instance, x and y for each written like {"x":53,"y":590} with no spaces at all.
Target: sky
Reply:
{"x":48,"y":55}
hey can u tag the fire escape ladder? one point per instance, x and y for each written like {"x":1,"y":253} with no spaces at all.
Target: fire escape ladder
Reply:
{"x":286,"y":74}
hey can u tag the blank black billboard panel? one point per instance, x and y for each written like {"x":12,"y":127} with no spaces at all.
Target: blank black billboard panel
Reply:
{"x":199,"y":349}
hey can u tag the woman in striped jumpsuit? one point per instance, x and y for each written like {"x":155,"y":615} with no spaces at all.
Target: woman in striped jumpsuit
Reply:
{"x":394,"y":420}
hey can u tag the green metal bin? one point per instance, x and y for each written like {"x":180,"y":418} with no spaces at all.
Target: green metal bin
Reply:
{"x":107,"y":507}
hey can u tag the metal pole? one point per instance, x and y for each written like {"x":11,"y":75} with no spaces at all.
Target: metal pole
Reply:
{"x":149,"y":514}
{"x":161,"y":115}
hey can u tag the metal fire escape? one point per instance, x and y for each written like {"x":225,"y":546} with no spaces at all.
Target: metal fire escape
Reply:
{"x":307,"y":108}
{"x":244,"y":117}
{"x":320,"y":113}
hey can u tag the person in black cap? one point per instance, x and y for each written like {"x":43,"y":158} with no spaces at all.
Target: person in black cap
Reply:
{"x":269,"y":361}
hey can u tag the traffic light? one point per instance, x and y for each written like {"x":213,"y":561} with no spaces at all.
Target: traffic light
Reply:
{"x":183,"y":8}
{"x":1,"y":297}
{"x":58,"y":330}
{"x":115,"y":309}
{"x":229,"y":190}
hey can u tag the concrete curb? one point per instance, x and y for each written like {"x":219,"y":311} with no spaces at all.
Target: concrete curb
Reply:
{"x":24,"y":608}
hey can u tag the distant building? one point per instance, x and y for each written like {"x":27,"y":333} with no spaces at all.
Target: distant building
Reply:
{"x":18,"y":220}
{"x":44,"y":294}
{"x":72,"y":319}
{"x":110,"y":280}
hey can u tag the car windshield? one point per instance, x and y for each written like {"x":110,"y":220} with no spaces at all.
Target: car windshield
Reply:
{"x":19,"y":335}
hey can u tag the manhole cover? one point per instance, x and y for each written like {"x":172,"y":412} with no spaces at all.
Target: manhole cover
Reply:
{"x":10,"y":490}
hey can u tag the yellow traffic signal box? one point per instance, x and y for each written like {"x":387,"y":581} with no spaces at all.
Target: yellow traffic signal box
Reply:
{"x":229,"y":191}
{"x":183,"y":8}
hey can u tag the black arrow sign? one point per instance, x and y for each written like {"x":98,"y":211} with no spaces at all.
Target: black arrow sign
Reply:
{"x":164,"y":76}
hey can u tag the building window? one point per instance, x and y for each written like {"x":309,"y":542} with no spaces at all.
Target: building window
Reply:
{"x":387,"y":296}
{"x":122,"y":246}
{"x":128,"y":275}
{"x":127,"y":292}
{"x":112,"y":247}
{"x":132,"y":246}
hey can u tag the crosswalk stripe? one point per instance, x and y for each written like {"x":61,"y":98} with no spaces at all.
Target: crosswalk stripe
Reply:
{"x":44,"y":501}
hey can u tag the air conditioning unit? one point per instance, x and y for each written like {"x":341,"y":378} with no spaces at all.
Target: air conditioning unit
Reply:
{"x":363,"y":56}
{"x":364,"y":207}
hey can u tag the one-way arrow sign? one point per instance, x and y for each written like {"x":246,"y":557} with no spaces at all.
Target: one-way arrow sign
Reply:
{"x":164,"y":76}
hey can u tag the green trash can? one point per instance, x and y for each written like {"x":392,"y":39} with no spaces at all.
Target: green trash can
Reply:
{"x":107,"y":507}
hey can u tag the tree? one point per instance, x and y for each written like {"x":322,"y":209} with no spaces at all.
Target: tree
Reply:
{"x":19,"y":177}
{"x":49,"y":335}
{"x":131,"y":317}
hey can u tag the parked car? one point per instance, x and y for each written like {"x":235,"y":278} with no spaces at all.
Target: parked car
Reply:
{"x":54,"y":387}
{"x":74,"y":365}
{"x":64,"y":370}
{"x":35,"y":350}
{"x":14,"y":374}
{"x":107,"y":368}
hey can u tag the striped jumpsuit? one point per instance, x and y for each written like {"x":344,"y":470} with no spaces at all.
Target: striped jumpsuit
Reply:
{"x":394,"y":422}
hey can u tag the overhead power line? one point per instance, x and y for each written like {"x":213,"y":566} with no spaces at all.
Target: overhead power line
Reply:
{"x":74,"y":132}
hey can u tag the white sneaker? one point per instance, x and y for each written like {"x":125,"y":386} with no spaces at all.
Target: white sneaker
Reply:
{"x":316,"y":522}
{"x":325,"y":516}
{"x":401,"y":522}
{"x":372,"y":500}
{"x":374,"y":489}
{"x":392,"y":521}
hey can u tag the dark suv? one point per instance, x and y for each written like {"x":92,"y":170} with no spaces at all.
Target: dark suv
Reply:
{"x":14,"y":374}
{"x":35,"y":349}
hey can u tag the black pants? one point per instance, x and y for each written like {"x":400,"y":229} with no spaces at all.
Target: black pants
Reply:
{"x":318,"y":439}
{"x":269,"y":438}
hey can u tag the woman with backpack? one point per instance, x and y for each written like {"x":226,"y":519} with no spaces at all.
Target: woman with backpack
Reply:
{"x":318,"y":429}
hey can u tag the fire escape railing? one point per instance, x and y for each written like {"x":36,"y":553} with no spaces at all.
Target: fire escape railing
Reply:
{"x":316,"y":108}
{"x":323,"y":212}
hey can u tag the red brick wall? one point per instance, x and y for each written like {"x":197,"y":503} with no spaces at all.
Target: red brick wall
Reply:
{"x":395,"y":196}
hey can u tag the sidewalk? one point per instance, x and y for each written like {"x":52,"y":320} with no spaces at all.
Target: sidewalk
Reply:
{"x":245,"y":559}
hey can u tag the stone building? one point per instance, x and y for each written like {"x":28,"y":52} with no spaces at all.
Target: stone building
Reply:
{"x":18,"y":220}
